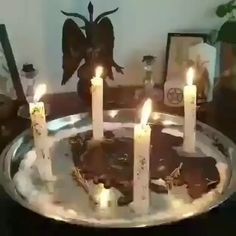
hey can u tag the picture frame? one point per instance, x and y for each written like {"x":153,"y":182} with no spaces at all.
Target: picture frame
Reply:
{"x":9,"y":76}
{"x":177,"y":52}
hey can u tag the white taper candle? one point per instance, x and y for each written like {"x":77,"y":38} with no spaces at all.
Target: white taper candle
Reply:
{"x":97,"y":104}
{"x":190,"y":108}
{"x":141,"y":176}
{"x":40,"y":133}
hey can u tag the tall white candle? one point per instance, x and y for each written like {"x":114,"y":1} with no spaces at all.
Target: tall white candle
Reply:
{"x":97,"y":104}
{"x":40,"y":133}
{"x":141,"y":176}
{"x":190,"y":97}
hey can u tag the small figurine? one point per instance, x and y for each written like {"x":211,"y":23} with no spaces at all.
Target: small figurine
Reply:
{"x":148,"y":78}
{"x":152,"y":90}
{"x":203,"y":57}
{"x":202,"y":79}
{"x":95,"y":46}
{"x":28,"y":77}
{"x":28,"y":74}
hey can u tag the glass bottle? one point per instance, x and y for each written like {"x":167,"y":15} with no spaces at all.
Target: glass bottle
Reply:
{"x":28,"y":76}
{"x":148,"y":81}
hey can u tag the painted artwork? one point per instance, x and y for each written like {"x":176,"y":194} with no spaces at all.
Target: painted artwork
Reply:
{"x":190,"y":50}
{"x":202,"y":57}
{"x":202,"y":79}
{"x":85,"y":48}
{"x":178,"y":53}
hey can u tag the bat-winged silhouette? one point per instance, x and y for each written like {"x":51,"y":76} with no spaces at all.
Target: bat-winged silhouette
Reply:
{"x":86,"y":47}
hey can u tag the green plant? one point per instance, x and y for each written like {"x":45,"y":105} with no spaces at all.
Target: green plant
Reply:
{"x":226,"y":9}
{"x":227,"y":32}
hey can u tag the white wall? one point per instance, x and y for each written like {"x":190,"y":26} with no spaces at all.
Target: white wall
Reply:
{"x":141,"y":27}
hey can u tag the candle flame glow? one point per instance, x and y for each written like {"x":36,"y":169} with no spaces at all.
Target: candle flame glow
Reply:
{"x":146,"y":112}
{"x":104,"y":198}
{"x":155,"y":116}
{"x":190,"y":76}
{"x":99,"y":71}
{"x":39,"y":92}
{"x":113,"y":113}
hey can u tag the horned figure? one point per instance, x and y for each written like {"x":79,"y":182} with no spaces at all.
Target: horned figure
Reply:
{"x":94,"y":47}
{"x":202,"y":79}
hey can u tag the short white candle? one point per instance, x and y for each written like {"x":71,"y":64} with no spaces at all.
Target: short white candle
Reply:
{"x":190,"y":98}
{"x":141,"y":176}
{"x":40,"y":133}
{"x":97,"y":104}
{"x":103,"y":197}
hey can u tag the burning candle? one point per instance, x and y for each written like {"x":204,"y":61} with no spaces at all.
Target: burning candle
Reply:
{"x":142,"y":134}
{"x":105,"y":201}
{"x":97,"y":104}
{"x":190,"y":97}
{"x":104,"y":198}
{"x":40,"y":133}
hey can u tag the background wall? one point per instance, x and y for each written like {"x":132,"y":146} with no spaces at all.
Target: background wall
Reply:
{"x":141,"y":27}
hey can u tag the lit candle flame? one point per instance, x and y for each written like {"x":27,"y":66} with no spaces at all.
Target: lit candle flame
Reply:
{"x":104,"y":198}
{"x":99,"y":71}
{"x":190,"y":76}
{"x":39,"y":92}
{"x":146,"y":112}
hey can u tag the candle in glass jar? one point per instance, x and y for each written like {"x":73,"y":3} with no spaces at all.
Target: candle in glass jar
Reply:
{"x":40,"y":133}
{"x":97,"y":104}
{"x":190,"y":108}
{"x":141,"y":176}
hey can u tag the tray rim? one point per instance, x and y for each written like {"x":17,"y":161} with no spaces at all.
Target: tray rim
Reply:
{"x":10,"y":189}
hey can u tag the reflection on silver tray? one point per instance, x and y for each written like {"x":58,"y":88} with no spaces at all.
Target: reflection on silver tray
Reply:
{"x":13,"y":154}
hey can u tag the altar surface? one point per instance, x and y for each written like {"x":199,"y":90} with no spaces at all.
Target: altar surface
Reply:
{"x":15,"y":220}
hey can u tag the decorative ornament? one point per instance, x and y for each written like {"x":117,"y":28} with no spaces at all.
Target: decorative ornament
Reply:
{"x":175,"y":96}
{"x":95,"y":45}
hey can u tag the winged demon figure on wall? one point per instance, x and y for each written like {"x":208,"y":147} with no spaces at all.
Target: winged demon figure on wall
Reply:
{"x":82,"y":52}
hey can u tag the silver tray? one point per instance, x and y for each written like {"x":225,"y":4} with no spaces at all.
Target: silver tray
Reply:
{"x":14,"y":153}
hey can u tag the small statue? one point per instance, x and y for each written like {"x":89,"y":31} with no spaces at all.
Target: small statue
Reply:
{"x":148,"y":78}
{"x":28,"y":74}
{"x":152,"y":90}
{"x":95,"y":47}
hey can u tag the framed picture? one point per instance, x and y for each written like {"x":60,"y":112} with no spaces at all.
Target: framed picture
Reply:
{"x":177,"y":53}
{"x":10,"y":83}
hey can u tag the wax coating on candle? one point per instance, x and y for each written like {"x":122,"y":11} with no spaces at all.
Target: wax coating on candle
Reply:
{"x":141,"y":172}
{"x":190,"y":108}
{"x":40,"y":133}
{"x":97,"y":104}
{"x":141,"y":169}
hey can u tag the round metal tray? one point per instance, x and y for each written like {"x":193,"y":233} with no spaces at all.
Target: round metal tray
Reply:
{"x":14,"y":153}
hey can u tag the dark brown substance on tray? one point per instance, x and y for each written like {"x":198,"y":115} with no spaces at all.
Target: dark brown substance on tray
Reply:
{"x":111,"y":162}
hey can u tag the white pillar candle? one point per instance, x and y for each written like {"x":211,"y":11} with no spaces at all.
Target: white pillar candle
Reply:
{"x":97,"y":104}
{"x":141,"y":176}
{"x":40,"y":133}
{"x":190,"y":97}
